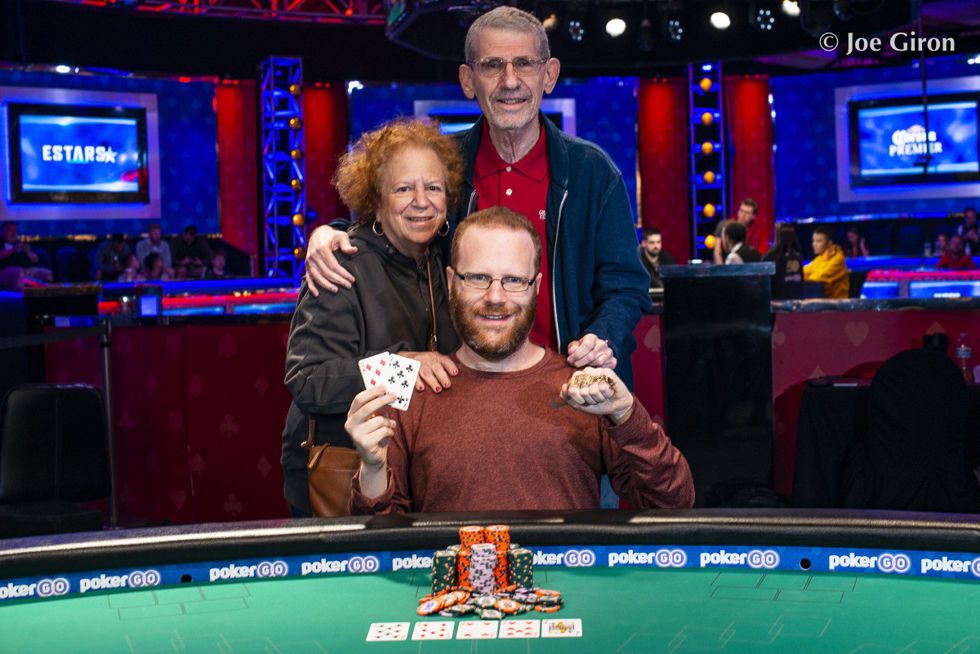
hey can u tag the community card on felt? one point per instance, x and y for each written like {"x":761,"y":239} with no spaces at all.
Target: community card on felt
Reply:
{"x":563,"y":628}
{"x":372,"y":369}
{"x":520,"y":629}
{"x":477,"y":630}
{"x":387,"y":631}
{"x":437,"y":630}
{"x":399,"y":377}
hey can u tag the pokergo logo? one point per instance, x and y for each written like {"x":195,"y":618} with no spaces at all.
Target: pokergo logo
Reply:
{"x":947,"y":564}
{"x":413,"y":562}
{"x":664,"y":558}
{"x":262,"y":569}
{"x":755,"y":559}
{"x":41,"y":588}
{"x":568,"y":558}
{"x":355,"y":564}
{"x":135,"y":579}
{"x":886,"y":562}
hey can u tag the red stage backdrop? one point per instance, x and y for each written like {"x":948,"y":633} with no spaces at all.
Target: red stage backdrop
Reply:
{"x":750,"y":172}
{"x":238,"y":159}
{"x":662,"y":156}
{"x":325,"y":121}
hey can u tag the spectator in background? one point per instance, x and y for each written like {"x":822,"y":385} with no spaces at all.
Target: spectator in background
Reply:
{"x":955,"y":257}
{"x":653,"y":255}
{"x":968,"y":229}
{"x":828,"y":265}
{"x":733,"y":242}
{"x":942,"y":240}
{"x":17,"y":262}
{"x":154,"y":243}
{"x":217,"y":268}
{"x":111,"y":259}
{"x":856,"y":245}
{"x":153,"y":269}
{"x":747,"y":211}
{"x":131,"y":272}
{"x":191,"y":254}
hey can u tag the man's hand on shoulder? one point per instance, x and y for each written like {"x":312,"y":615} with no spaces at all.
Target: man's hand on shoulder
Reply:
{"x":590,"y":350}
{"x":600,"y":392}
{"x":322,"y":268}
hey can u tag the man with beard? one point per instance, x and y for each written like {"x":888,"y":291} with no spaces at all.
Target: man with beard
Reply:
{"x":521,"y":429}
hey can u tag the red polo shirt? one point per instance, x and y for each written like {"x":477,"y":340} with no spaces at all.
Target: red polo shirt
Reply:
{"x":523,"y":187}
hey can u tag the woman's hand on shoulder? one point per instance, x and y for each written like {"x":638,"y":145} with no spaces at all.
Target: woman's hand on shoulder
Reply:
{"x":436,"y":372}
{"x":323,"y":271}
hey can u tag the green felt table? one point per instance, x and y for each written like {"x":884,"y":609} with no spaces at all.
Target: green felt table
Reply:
{"x":623,"y":610}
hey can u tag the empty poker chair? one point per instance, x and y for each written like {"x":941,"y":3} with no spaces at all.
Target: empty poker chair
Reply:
{"x":54,"y":455}
{"x":914,"y":457}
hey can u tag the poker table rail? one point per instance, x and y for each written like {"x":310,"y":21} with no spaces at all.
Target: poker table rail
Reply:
{"x":854,"y":530}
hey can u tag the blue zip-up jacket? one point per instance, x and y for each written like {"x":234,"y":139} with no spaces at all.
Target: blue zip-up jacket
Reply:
{"x":598,"y":283}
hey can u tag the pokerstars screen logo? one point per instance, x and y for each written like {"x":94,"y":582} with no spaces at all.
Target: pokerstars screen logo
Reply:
{"x":78,"y":154}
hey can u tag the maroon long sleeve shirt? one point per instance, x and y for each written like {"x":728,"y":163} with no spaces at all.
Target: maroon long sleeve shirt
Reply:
{"x":507,"y":441}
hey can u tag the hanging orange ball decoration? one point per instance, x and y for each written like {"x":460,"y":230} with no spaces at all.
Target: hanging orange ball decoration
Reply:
{"x":707,"y":147}
{"x":705,"y":84}
{"x":709,"y":177}
{"x":709,"y":210}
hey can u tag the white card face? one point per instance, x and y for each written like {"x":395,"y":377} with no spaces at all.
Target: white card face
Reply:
{"x":477,"y":630}
{"x":399,"y":377}
{"x":561,"y":628}
{"x":387,"y":631}
{"x":372,"y":369}
{"x":440,"y":630}
{"x":520,"y":629}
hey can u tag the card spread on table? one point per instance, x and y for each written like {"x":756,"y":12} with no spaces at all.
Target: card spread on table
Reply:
{"x":520,"y":629}
{"x":438,"y":630}
{"x":561,"y":628}
{"x":396,"y":373}
{"x":387,"y":631}
{"x":477,"y":630}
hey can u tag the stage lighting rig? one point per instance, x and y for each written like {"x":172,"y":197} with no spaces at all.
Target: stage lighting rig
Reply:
{"x":761,"y":17}
{"x":720,"y":20}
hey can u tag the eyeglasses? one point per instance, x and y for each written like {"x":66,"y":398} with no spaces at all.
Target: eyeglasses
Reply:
{"x":481,"y":282}
{"x":495,"y":66}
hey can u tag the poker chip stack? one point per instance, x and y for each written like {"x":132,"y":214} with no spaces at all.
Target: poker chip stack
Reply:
{"x":486,"y":575}
{"x":499,"y":536}
{"x":520,"y":565}
{"x":482,"y":568}
{"x":468,"y":537}
{"x":443,"y":571}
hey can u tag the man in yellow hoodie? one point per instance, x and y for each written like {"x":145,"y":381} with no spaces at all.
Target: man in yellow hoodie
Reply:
{"x":828,"y":265}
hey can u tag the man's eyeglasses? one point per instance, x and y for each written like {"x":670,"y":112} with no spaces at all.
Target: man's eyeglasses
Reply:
{"x":480,"y":282}
{"x":495,"y":66}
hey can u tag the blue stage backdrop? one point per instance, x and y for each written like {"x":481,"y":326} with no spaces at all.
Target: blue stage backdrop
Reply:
{"x":806,"y":166}
{"x":605,"y":112}
{"x":188,"y":156}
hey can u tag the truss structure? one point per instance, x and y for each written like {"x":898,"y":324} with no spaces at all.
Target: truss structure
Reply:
{"x":363,"y":12}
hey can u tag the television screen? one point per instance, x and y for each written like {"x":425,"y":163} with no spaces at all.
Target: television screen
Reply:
{"x":889,"y":144}
{"x":77,"y":154}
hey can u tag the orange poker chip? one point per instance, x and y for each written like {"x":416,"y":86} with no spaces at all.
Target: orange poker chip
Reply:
{"x":544,"y":592}
{"x":547,"y":609}
{"x":508,"y":606}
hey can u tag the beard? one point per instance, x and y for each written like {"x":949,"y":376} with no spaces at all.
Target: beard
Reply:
{"x":489,"y":345}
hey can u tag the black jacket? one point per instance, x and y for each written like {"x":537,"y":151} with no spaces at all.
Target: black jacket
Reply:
{"x":386,"y":310}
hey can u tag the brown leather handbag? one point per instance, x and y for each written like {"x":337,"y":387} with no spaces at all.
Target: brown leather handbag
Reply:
{"x":330,"y":470}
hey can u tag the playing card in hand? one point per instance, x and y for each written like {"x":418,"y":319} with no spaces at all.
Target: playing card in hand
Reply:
{"x":373,"y":368}
{"x":399,"y":377}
